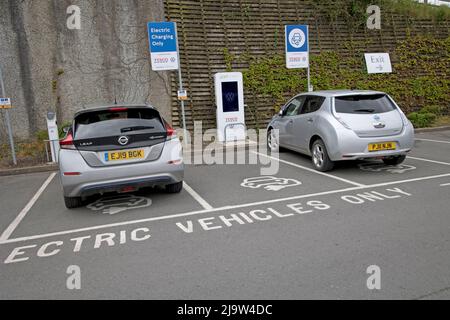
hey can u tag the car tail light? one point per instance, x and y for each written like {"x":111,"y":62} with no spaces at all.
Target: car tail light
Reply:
{"x":171,"y":132}
{"x":67,"y":142}
{"x":117,"y":109}
{"x":72,"y":173}
{"x":405,"y":119}
{"x":342,"y":122}
{"x":175,"y":161}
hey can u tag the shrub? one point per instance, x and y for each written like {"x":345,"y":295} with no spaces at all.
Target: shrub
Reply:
{"x":436,"y":110}
{"x":422,"y":120}
{"x":42,"y":135}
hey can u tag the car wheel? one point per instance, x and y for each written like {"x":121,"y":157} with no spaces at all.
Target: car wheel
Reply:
{"x":320,"y":158}
{"x":73,"y":202}
{"x":394,"y":160}
{"x":272,"y":144}
{"x":175,"y":187}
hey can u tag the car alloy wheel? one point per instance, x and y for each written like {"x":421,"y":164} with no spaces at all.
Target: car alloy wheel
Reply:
{"x":318,"y":155}
{"x":272,"y":142}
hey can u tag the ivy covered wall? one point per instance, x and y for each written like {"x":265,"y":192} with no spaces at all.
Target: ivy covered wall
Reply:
{"x":248,"y":36}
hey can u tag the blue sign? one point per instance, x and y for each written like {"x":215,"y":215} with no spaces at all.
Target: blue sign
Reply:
{"x":297,"y":38}
{"x":162,"y":36}
{"x":297,"y":46}
{"x":163,"y":45}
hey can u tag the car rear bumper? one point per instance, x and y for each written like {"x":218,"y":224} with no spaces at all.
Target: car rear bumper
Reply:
{"x":94,"y":180}
{"x":117,"y":186}
{"x":348,"y":146}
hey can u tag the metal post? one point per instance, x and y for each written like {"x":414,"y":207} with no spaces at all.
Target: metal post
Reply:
{"x":180,"y":84}
{"x":8,"y":121}
{"x":309,"y":61}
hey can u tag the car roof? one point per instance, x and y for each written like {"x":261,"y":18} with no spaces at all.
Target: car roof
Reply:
{"x":342,"y":92}
{"x":88,"y":109}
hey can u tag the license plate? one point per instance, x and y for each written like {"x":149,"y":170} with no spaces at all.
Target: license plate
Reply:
{"x":124,"y":155}
{"x":382,"y":146}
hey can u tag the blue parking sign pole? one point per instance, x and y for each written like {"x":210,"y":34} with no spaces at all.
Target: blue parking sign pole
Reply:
{"x":165,"y":55}
{"x":180,"y":85}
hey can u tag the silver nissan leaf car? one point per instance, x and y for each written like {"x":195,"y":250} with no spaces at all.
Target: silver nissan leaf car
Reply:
{"x":119,"y":149}
{"x":340,"y":125}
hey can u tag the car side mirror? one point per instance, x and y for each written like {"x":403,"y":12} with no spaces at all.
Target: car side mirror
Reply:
{"x":281,"y":113}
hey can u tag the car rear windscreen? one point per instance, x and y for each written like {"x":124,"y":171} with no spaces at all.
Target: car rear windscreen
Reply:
{"x":363,"y":104}
{"x":105,"y":123}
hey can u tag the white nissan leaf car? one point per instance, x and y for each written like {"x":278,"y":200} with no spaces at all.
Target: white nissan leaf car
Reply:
{"x":341,"y":125}
{"x":119,"y":149}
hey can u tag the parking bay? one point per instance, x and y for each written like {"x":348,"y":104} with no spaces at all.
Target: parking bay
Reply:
{"x":217,"y":186}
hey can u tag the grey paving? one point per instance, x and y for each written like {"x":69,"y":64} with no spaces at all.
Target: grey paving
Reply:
{"x":402,"y":227}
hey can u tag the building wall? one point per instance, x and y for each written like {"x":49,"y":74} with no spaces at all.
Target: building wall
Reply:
{"x":46,"y":66}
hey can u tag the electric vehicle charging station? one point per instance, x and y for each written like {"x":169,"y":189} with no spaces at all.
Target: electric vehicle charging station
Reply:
{"x":53,"y":135}
{"x":229,"y":87}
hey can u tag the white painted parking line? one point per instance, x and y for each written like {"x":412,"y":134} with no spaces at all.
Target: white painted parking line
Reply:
{"x":197,"y":197}
{"x":5,"y":235}
{"x":311,"y":170}
{"x":428,"y":160}
{"x":431,"y":140}
{"x":192,"y":213}
{"x":445,"y":184}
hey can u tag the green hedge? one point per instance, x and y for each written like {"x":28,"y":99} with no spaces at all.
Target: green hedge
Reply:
{"x":420,"y":74}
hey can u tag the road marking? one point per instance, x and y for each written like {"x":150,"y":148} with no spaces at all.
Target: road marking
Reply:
{"x":428,"y":160}
{"x":197,"y":197}
{"x":269,"y":183}
{"x":445,"y":184}
{"x":5,"y":235}
{"x":232,"y":207}
{"x":311,"y":170}
{"x":380,"y":167}
{"x":439,"y":141}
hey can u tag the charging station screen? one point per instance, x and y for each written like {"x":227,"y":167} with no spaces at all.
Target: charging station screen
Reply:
{"x":230,"y":97}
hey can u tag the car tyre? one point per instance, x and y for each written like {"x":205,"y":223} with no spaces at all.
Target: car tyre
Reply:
{"x":175,"y":187}
{"x":73,"y":202}
{"x":320,"y":158}
{"x":271,"y":146}
{"x":393,"y":161}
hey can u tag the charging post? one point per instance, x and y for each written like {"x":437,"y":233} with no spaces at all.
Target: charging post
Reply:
{"x":230,"y":113}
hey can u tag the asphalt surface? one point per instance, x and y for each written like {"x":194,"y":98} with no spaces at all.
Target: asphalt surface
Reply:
{"x":227,"y":236}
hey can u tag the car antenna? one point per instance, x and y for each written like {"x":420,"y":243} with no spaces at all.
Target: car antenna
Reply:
{"x":115,"y":97}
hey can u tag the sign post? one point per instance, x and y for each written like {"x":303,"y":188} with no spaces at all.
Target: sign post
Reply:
{"x":165,"y":55}
{"x":5,"y":103}
{"x":297,"y":48}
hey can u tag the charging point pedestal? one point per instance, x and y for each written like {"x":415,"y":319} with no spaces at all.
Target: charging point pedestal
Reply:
{"x":53,"y":135}
{"x":229,"y":87}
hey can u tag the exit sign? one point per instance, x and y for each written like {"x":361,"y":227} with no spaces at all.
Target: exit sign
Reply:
{"x":378,"y":62}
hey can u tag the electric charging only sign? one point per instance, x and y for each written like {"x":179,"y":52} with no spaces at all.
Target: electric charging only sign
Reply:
{"x":163,"y":45}
{"x":297,"y":46}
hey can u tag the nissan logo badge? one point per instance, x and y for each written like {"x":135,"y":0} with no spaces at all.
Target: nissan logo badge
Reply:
{"x":123,"y":140}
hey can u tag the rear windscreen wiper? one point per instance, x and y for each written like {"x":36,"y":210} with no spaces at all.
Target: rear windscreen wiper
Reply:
{"x":365,"y":110}
{"x":136,"y":128}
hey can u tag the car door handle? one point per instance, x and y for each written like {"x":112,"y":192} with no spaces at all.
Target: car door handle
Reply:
{"x":291,"y":121}
{"x":310,"y":120}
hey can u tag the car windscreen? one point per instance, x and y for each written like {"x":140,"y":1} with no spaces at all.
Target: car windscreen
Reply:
{"x":363,"y":104}
{"x":117,"y":122}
